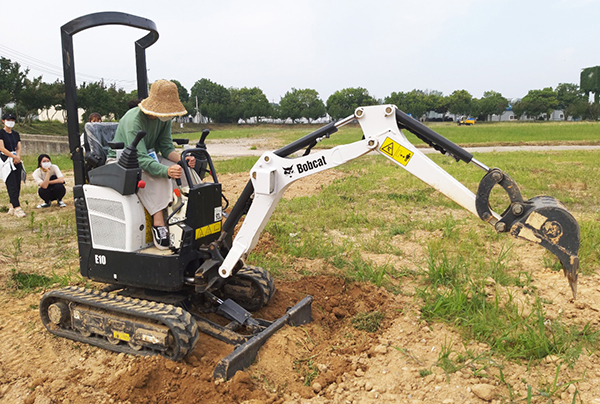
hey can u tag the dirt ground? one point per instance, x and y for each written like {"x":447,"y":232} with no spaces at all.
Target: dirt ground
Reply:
{"x":326,"y":361}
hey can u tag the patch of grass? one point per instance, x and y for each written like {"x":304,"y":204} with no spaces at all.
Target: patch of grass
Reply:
{"x":368,"y":321}
{"x":31,"y":282}
{"x":236,"y":165}
{"x":502,"y":323}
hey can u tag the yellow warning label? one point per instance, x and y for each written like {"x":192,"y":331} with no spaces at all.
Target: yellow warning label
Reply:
{"x":123,"y":336}
{"x":208,"y":230}
{"x":399,"y":153}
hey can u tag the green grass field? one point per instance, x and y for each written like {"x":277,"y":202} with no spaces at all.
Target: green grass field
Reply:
{"x":515,"y":133}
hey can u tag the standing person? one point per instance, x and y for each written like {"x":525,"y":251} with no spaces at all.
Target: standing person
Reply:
{"x":156,"y":153}
{"x":50,"y":181}
{"x":10,"y":146}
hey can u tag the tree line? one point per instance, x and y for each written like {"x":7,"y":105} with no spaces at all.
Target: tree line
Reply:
{"x":228,"y":105}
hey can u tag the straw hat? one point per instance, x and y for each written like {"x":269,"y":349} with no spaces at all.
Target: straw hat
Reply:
{"x":163,"y":100}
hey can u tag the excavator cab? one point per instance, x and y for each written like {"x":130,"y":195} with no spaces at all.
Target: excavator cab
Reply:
{"x":156,"y":301}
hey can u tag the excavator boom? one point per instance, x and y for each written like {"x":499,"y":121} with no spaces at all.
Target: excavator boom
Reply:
{"x":542,"y":220}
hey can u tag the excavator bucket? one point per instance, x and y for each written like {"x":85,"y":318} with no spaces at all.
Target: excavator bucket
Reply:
{"x":543,"y":220}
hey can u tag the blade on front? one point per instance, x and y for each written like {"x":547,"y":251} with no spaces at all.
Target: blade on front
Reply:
{"x":547,"y":222}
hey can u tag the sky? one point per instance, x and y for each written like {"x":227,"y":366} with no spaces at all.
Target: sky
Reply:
{"x":385,"y":46}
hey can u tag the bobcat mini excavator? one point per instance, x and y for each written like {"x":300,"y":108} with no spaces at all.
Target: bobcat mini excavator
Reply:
{"x":157,"y":301}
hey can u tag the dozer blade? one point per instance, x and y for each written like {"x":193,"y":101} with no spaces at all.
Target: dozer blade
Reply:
{"x":244,"y":354}
{"x":543,"y":220}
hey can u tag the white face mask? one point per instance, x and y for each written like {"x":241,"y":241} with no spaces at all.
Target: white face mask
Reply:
{"x":9,"y":124}
{"x":165,"y":118}
{"x":46,"y":164}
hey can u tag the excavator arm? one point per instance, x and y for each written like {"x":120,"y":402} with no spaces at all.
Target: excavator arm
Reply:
{"x":542,"y":220}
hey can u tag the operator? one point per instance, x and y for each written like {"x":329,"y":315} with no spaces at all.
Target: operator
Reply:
{"x":156,"y":153}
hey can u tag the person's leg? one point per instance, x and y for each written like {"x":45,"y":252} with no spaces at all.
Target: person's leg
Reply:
{"x":13,"y":186}
{"x":58,"y":193}
{"x":155,"y":197}
{"x":46,"y":195}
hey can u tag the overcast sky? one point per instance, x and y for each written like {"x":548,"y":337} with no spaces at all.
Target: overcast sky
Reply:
{"x":509,"y":46}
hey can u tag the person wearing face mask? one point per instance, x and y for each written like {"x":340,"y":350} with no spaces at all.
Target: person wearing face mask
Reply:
{"x":10,"y":147}
{"x":156,"y":154}
{"x":50,"y":181}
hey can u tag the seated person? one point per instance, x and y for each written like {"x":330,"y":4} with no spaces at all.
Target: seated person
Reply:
{"x":156,"y":153}
{"x":50,"y":181}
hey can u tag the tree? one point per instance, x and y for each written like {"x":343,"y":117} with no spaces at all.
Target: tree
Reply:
{"x":460,"y":102}
{"x":517,"y":108}
{"x":12,"y":80}
{"x":35,"y":95}
{"x":570,"y":99}
{"x":120,"y":101}
{"x":492,"y":103}
{"x":342,"y":103}
{"x":418,"y":102}
{"x":94,"y":97}
{"x":538,"y":102}
{"x":184,"y":96}
{"x":578,"y":109}
{"x":214,"y":100}
{"x":249,"y":103}
{"x":304,"y":103}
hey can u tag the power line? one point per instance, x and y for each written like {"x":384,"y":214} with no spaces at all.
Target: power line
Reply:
{"x":39,"y":65}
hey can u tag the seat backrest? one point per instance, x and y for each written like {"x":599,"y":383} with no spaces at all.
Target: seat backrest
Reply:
{"x":97,"y":135}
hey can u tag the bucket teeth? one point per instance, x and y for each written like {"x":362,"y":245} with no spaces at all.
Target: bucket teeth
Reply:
{"x":547,"y":222}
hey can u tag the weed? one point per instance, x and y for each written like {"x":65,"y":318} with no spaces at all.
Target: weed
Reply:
{"x":307,"y":369}
{"x":425,"y":372}
{"x":16,"y":251}
{"x":369,"y":322}
{"x":31,"y":220}
{"x":445,"y":362}
{"x":31,"y":282}
{"x":360,"y":270}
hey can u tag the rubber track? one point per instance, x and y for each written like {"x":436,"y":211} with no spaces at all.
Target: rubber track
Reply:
{"x":182,"y":325}
{"x":261,"y":278}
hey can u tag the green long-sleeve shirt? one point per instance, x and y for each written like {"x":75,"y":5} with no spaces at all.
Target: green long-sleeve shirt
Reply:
{"x":158,"y":137}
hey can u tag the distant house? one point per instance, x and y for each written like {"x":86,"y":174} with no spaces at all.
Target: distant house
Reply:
{"x":557,"y":115}
{"x":507,"y":116}
{"x":51,"y":114}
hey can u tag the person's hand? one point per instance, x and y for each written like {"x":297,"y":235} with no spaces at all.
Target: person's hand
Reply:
{"x":174,"y":171}
{"x":16,"y":159}
{"x":191,"y":161}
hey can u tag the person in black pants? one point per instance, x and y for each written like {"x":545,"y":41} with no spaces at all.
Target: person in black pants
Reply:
{"x":51,"y":182}
{"x":10,"y":146}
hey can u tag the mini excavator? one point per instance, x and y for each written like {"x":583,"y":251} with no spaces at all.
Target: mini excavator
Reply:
{"x":158,"y":301}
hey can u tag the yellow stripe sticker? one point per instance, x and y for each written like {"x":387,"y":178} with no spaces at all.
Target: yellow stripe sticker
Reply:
{"x":208,"y":230}
{"x":393,"y":149}
{"x":123,"y":336}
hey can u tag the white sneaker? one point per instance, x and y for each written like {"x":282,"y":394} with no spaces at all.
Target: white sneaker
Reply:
{"x":19,"y":212}
{"x":160,"y":234}
{"x":11,"y":211}
{"x":62,"y":204}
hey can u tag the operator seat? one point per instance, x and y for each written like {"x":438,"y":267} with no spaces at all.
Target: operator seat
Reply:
{"x":96,"y":137}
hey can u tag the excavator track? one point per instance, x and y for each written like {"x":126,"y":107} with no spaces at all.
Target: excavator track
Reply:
{"x":251,"y":287}
{"x":119,"y":323}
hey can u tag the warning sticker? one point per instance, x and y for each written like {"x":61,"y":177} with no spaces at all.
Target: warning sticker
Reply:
{"x":208,"y":230}
{"x":393,"y":149}
{"x":123,"y":336}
